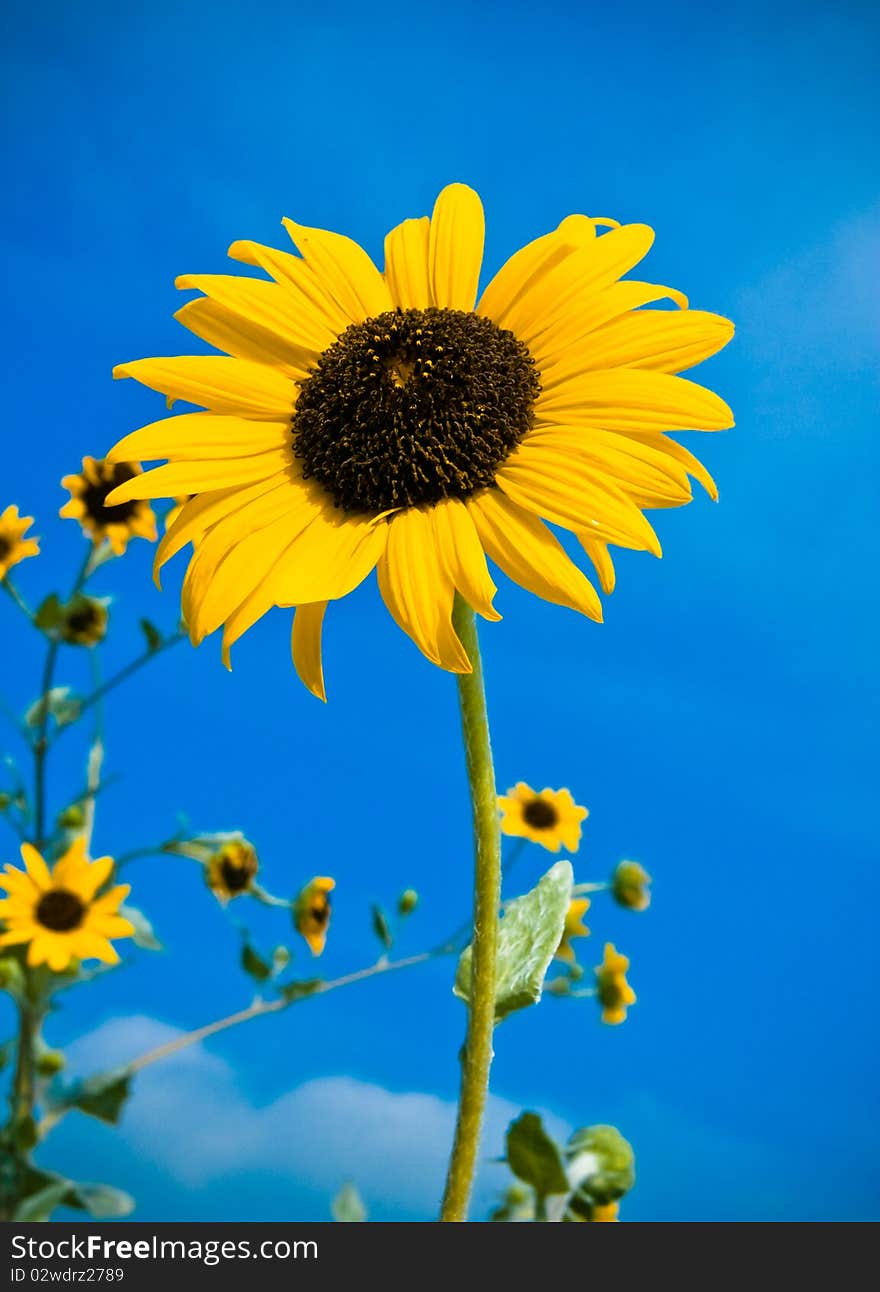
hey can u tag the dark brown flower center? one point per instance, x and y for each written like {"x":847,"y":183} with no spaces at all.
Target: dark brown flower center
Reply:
{"x":5,"y":546}
{"x":236,"y":874}
{"x":413,"y":406}
{"x":94,"y":495}
{"x":60,"y":910}
{"x":540,"y":814}
{"x":319,"y":912}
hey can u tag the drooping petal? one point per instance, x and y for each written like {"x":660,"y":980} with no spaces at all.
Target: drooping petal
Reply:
{"x":628,"y":462}
{"x":200,"y":513}
{"x":219,"y":384}
{"x":455,"y":250}
{"x":406,"y":264}
{"x":462,"y":554}
{"x":575,"y":496}
{"x":418,"y":590}
{"x":602,"y":562}
{"x":305,"y":645}
{"x":329,"y":559}
{"x":523,"y":547}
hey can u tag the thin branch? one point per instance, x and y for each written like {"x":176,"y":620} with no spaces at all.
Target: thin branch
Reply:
{"x":123,"y":675}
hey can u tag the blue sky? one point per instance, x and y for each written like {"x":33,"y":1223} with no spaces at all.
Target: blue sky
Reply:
{"x":721,"y":725}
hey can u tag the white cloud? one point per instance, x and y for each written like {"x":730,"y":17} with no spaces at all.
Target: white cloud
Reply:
{"x":189,"y":1117}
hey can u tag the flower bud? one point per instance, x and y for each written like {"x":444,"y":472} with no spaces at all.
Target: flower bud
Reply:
{"x":231,"y":869}
{"x":50,"y":1062}
{"x":83,"y":621}
{"x":408,"y":901}
{"x":629,"y":886}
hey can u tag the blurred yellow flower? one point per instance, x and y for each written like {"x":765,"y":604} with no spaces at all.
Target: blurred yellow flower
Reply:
{"x":118,"y":522}
{"x":549,"y":817}
{"x":14,"y":547}
{"x":58,"y":913}
{"x":574,"y":927}
{"x":231,"y":870}
{"x":363,"y":420}
{"x":311,"y":912}
{"x":83,"y":621}
{"x":605,"y":1211}
{"x":613,"y":991}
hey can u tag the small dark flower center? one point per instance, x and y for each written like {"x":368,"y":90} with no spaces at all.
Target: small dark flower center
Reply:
{"x":5,"y":546}
{"x":113,"y":474}
{"x":540,"y":814}
{"x":60,"y":910}
{"x":413,"y":406}
{"x":236,"y":875}
{"x":319,"y":913}
{"x":83,"y":619}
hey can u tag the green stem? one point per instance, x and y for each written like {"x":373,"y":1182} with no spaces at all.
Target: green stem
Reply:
{"x":22,"y":1096}
{"x":125,"y":673}
{"x":477,"y":1052}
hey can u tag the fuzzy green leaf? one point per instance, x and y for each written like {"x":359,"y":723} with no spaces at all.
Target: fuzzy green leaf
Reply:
{"x":254,"y":964}
{"x":102,"y":1201}
{"x":144,"y":933}
{"x":49,"y":613}
{"x":292,"y":991}
{"x":528,"y":935}
{"x":601,"y":1163}
{"x":152,"y":634}
{"x":102,"y":1096}
{"x":382,"y":928}
{"x":39,"y":1206}
{"x":61,"y":704}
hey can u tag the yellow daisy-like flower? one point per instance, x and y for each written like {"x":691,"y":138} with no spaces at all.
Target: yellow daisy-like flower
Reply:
{"x":84,"y":621}
{"x":605,"y":1211}
{"x":549,"y":817}
{"x":14,"y":547}
{"x":58,"y":913}
{"x":612,"y":989}
{"x":364,"y":420}
{"x":231,"y":870}
{"x":311,"y":912}
{"x":574,"y":927}
{"x":117,"y":522}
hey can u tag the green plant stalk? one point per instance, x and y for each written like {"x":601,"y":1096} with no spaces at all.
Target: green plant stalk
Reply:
{"x":477,"y":1052}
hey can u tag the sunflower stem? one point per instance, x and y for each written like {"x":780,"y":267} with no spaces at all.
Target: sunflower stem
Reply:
{"x":477,"y":1051}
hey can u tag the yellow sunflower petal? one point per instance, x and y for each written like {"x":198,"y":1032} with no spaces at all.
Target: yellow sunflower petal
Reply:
{"x":627,"y":462}
{"x":194,"y":435}
{"x":242,"y":338}
{"x":345,"y":269}
{"x":305,"y":644}
{"x":523,"y":547}
{"x":657,"y":340}
{"x":328,"y":560}
{"x":297,"y":276}
{"x":462,"y":554}
{"x":220,"y":384}
{"x":406,"y":264}
{"x":526,"y":266}
{"x":268,"y":306}
{"x":577,"y":498}
{"x":418,"y":591}
{"x":455,"y":251}
{"x":562,"y":341}
{"x":602,"y":562}
{"x":36,"y":866}
{"x":629,"y":399}
{"x":202,"y":512}
{"x":192,"y":477}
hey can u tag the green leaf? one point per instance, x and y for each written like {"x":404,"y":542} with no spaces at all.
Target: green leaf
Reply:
{"x":304,"y":987}
{"x":144,"y":934}
{"x":528,"y":935}
{"x":40,"y":1205}
{"x":24,"y":1133}
{"x":102,"y":1096}
{"x":49,"y":613}
{"x":348,"y":1205}
{"x":534,"y":1157}
{"x":61,"y":704}
{"x":254,"y":964}
{"x":101,"y":1200}
{"x":152,"y":634}
{"x":382,"y":928}
{"x":601,"y":1163}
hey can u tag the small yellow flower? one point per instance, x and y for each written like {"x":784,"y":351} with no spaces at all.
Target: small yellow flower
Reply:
{"x":551,"y":817}
{"x":14,"y":547}
{"x":84,"y":622}
{"x":612,"y":989}
{"x":605,"y":1211}
{"x":574,"y":927}
{"x":231,"y":869}
{"x":311,"y":912}
{"x":629,"y":885}
{"x":88,"y":504}
{"x":58,"y":913}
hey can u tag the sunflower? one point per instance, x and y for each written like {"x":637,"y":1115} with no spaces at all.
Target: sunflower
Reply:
{"x":574,"y":927}
{"x":311,"y":912}
{"x":14,"y":547}
{"x":612,"y":989}
{"x":117,"y":522}
{"x":231,"y":870}
{"x":84,"y":621}
{"x":551,"y":817}
{"x":361,"y":420}
{"x":58,"y":914}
